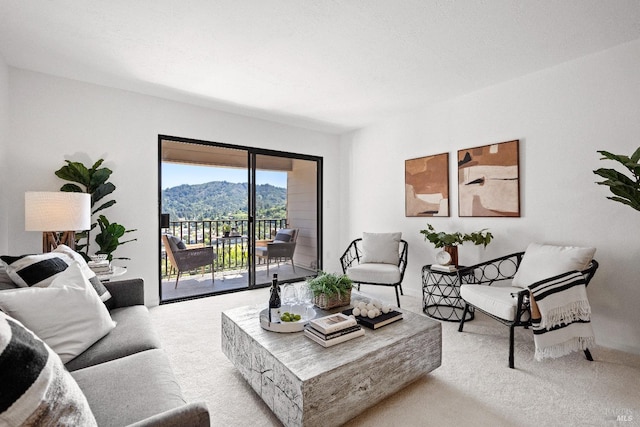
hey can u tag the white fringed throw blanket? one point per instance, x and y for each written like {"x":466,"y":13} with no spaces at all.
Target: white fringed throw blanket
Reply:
{"x":563,"y":324}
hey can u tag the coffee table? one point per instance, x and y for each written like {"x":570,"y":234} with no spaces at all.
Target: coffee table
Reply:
{"x":305,"y":384}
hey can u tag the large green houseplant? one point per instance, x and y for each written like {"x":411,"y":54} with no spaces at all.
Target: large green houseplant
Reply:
{"x":625,"y":189}
{"x":94,"y":180}
{"x":450,"y":241}
{"x":330,"y":290}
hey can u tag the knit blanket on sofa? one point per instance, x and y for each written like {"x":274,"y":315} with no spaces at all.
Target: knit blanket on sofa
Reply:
{"x":561,"y":315}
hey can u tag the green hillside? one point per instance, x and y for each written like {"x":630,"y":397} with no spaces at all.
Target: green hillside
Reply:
{"x":222,"y":200}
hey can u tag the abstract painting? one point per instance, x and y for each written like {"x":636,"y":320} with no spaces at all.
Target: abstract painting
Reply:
{"x":489,"y":181}
{"x":427,"y":186}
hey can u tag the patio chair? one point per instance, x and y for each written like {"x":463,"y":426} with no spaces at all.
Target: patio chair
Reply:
{"x":281,"y":248}
{"x":377,"y":259}
{"x":500,"y":287}
{"x":183,"y":258}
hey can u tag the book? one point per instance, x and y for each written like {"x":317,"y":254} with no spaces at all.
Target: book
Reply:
{"x":377,"y":322}
{"x":333,"y":341}
{"x":333,"y":334}
{"x":445,"y":268}
{"x":332,"y":323}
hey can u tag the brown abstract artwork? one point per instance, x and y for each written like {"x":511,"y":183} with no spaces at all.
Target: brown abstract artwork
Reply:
{"x":489,"y":180}
{"x":427,"y":186}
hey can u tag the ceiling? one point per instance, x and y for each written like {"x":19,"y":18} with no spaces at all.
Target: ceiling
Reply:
{"x":330,"y":65}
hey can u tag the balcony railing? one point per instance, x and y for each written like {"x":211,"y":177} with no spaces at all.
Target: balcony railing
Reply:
{"x":231,"y":252}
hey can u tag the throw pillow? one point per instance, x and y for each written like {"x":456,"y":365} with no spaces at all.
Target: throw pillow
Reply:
{"x":544,"y":261}
{"x":88,"y":273}
{"x":5,"y":280}
{"x":67,"y":315}
{"x":35,"y":270}
{"x":35,"y":388}
{"x":284,"y":236}
{"x":381,"y":247}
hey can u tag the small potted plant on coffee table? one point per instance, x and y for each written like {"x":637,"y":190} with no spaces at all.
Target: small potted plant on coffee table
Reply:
{"x":330,"y":290}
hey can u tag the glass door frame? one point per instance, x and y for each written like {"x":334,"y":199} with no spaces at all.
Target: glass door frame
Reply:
{"x":252,"y":153}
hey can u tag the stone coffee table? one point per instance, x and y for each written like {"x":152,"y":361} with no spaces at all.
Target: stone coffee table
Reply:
{"x":305,"y":384}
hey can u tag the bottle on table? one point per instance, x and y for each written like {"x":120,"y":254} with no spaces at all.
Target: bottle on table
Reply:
{"x":274,"y":301}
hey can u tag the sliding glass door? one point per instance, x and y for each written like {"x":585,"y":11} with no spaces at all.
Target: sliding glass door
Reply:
{"x":252,"y":212}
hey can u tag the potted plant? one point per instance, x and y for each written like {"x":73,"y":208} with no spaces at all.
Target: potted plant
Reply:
{"x":226,"y":229}
{"x":94,"y":180}
{"x":450,"y":241}
{"x":626,"y":190}
{"x":330,"y":290}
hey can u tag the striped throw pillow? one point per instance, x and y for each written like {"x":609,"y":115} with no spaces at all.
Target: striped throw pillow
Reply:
{"x":41,"y":269}
{"x":35,"y":388}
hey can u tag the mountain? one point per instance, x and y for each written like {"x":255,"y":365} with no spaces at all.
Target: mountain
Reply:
{"x":222,"y":200}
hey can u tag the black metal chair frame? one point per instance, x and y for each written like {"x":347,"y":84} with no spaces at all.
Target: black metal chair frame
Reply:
{"x":353,"y":256}
{"x":501,"y":270}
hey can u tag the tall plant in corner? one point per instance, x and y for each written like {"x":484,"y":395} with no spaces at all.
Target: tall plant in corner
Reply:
{"x":625,"y":189}
{"x":94,"y":181}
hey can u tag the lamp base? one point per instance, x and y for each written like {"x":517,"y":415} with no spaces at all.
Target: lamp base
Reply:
{"x":51,"y":240}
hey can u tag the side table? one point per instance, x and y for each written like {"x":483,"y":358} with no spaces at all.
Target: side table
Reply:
{"x":441,"y":293}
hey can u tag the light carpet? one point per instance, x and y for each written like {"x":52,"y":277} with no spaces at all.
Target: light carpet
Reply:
{"x":474,"y":385}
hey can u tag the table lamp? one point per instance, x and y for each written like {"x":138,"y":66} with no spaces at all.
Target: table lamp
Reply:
{"x":58,"y":215}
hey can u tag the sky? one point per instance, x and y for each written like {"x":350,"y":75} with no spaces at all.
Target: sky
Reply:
{"x":174,"y":174}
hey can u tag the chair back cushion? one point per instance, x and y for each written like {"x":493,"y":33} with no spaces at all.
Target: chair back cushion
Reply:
{"x":175,"y":243}
{"x":543,"y":261}
{"x":285,"y":235}
{"x":381,"y":248}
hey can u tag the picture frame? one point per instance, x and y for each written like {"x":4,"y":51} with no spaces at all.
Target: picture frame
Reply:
{"x":489,"y":180}
{"x":427,"y":186}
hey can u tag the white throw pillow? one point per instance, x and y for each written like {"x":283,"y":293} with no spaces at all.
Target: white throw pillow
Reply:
{"x":89,"y":274}
{"x":381,"y":247}
{"x":544,"y":261}
{"x":67,"y":315}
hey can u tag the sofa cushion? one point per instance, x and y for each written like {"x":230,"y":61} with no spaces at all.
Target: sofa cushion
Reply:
{"x":285,"y":235}
{"x":374,"y":273}
{"x":130,"y":389}
{"x":133,"y":333}
{"x":35,"y":389}
{"x":381,"y":247}
{"x":67,"y":315}
{"x":543,"y":261}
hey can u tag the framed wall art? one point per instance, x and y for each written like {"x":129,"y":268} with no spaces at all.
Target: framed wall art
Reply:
{"x":489,"y":181}
{"x":427,"y":186}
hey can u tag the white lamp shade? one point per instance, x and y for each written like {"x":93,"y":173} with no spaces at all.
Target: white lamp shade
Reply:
{"x":57,"y":211}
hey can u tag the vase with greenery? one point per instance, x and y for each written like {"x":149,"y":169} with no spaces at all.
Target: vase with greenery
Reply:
{"x":625,"y":189}
{"x":94,"y":180}
{"x":450,"y":241}
{"x":330,"y":290}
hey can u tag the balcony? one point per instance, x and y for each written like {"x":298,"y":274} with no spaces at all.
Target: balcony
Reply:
{"x":231,"y":264}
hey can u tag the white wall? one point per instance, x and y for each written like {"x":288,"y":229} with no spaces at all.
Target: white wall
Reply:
{"x":561,"y":116}
{"x":4,"y":131}
{"x":53,"y":119}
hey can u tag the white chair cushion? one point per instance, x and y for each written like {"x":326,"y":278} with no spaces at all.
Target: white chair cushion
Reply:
{"x":496,"y":300}
{"x":545,"y":261}
{"x":381,"y":247}
{"x":374,"y":273}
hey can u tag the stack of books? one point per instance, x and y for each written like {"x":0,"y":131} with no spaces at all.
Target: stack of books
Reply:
{"x":101,"y":268}
{"x":378,"y":321}
{"x":444,"y":268}
{"x":333,"y":329}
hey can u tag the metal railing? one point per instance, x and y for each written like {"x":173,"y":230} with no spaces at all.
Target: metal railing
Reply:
{"x":231,"y":248}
